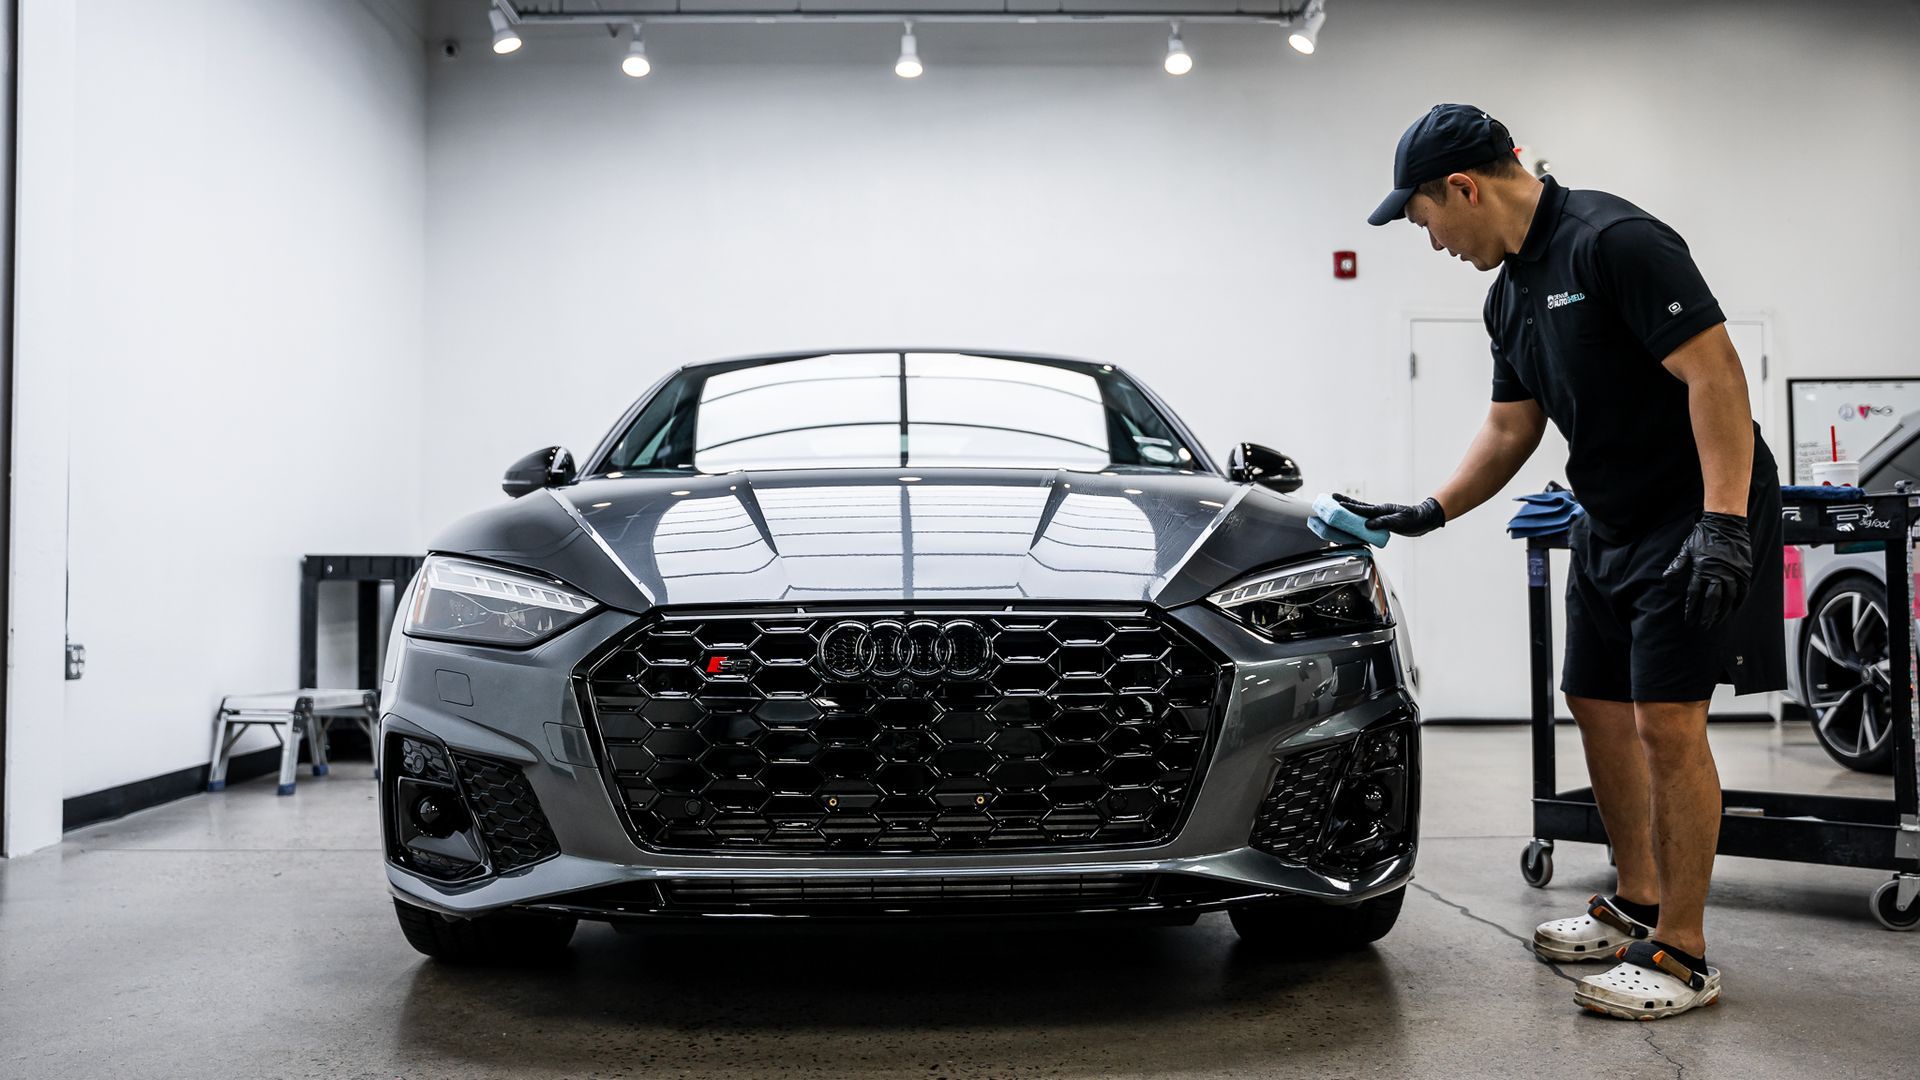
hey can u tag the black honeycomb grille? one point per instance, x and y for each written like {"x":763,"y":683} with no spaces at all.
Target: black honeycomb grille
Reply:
{"x":507,"y":814}
{"x":1294,"y":813}
{"x":1070,"y":731}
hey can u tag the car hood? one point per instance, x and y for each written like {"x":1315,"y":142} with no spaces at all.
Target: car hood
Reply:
{"x":957,"y":535}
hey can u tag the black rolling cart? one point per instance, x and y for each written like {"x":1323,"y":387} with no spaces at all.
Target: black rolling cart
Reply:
{"x":1877,"y":834}
{"x":368,"y":573}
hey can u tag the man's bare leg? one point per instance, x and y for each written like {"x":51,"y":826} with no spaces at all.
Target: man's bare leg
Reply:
{"x":1617,"y":764}
{"x":1685,"y":787}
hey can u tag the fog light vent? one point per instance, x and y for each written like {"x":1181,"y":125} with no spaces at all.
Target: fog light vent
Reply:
{"x":1372,"y":810}
{"x":1344,"y":806}
{"x":431,"y":829}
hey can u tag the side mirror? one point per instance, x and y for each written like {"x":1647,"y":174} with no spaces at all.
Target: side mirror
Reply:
{"x":547,"y":468}
{"x":1251,"y":463}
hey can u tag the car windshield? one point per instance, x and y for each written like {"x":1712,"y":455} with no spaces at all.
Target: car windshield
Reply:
{"x":888,"y":410}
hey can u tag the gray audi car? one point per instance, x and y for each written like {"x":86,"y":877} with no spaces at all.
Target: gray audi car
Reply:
{"x":896,"y":634}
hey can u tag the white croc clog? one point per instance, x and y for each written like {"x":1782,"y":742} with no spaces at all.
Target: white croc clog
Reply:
{"x":1597,"y":935}
{"x":1651,"y":986}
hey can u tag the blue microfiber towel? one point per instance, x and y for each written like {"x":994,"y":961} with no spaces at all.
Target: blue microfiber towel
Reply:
{"x":1353,"y":528}
{"x":1553,"y":498}
{"x":1544,"y":513}
{"x":1821,"y":493}
{"x":1330,"y":534}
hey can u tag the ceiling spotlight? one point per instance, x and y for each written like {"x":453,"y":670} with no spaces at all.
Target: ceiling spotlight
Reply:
{"x":908,"y":66}
{"x":505,"y":40}
{"x":635,"y":62}
{"x":1307,"y":34}
{"x":1178,"y":60}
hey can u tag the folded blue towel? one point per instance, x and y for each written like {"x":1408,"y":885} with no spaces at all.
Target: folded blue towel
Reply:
{"x":1544,"y":513}
{"x":1821,"y":493}
{"x":1330,"y":534}
{"x":1350,"y":525}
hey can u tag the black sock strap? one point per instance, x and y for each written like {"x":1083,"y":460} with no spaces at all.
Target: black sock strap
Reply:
{"x":1602,"y":910}
{"x":1659,"y":957}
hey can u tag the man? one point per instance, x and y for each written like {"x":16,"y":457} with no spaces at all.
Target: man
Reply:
{"x":1601,"y":323}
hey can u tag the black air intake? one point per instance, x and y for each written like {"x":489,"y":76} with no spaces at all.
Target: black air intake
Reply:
{"x":1293,"y":816}
{"x":1343,"y":806}
{"x":509,"y":817}
{"x":455,"y":816}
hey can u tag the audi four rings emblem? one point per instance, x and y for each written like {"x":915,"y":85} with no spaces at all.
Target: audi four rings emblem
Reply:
{"x":889,"y":647}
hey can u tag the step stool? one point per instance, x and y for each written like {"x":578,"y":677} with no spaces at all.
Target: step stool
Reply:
{"x":304,"y":713}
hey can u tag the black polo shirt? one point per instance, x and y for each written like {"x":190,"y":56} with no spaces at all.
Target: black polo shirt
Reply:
{"x":1581,"y":317}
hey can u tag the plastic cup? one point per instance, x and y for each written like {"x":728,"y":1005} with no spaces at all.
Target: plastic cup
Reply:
{"x":1836,"y":473}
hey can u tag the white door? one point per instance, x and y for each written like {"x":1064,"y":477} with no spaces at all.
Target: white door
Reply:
{"x":1464,"y":586}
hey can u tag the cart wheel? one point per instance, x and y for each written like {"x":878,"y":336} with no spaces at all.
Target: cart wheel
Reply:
{"x":1886,"y":908}
{"x":1536,"y":864}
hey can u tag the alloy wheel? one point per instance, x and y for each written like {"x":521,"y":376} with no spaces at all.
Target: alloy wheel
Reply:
{"x":1846,"y":674}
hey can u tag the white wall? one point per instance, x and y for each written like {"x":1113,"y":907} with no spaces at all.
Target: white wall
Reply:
{"x":43,"y":284}
{"x":240,"y":332}
{"x":1049,"y":188}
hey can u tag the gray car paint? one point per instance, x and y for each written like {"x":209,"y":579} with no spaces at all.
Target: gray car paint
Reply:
{"x":807,"y":536}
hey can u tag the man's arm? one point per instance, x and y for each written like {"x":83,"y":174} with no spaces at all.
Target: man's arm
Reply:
{"x":1507,"y":438}
{"x":1722,"y":420}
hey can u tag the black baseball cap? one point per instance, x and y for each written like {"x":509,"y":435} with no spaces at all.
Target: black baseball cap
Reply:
{"x":1445,"y":141}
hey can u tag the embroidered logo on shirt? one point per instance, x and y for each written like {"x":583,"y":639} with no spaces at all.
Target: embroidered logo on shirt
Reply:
{"x":1673,"y":308}
{"x":1562,"y":299}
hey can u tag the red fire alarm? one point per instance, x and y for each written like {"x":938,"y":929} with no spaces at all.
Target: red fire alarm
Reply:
{"x":1346,"y":264}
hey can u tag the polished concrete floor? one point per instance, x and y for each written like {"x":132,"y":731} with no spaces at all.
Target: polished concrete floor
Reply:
{"x":246,"y":935}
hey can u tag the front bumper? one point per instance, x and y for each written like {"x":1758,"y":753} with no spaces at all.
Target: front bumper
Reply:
{"x":1281,"y":703}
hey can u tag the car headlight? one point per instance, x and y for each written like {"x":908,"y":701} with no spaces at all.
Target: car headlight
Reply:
{"x":1326,"y":596}
{"x":461,"y":600}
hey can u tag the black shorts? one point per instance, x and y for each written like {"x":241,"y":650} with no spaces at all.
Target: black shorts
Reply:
{"x":1627,"y":634}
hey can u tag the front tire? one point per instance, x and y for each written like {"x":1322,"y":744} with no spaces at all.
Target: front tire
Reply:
{"x":503,"y":937}
{"x":1308,"y":926}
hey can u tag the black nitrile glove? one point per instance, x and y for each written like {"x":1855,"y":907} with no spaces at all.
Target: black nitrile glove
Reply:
{"x":1717,"y":557}
{"x":1398,"y":518}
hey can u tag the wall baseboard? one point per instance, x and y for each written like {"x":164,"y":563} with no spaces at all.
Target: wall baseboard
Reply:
{"x":113,"y":802}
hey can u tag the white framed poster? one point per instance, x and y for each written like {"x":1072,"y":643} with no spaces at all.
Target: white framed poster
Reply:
{"x":1854,"y":413}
